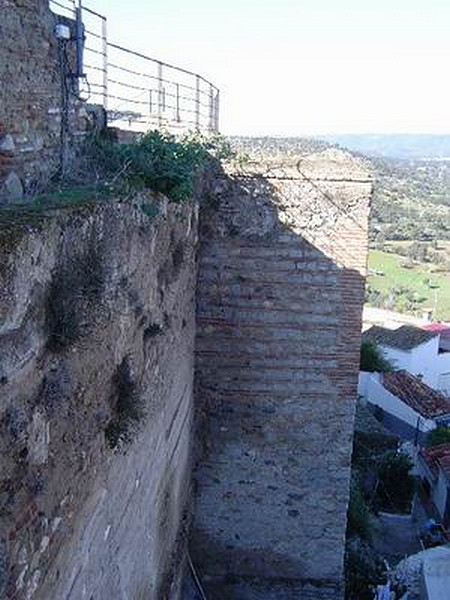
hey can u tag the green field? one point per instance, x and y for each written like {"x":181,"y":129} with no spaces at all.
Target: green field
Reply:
{"x":427,"y":289}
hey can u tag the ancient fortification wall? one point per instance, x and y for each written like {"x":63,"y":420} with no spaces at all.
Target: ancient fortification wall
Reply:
{"x":280,"y":294}
{"x":96,"y":347}
{"x":97,"y":333}
{"x":30,"y":97}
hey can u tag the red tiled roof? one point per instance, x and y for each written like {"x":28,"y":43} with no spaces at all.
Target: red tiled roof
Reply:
{"x":442,"y":328}
{"x":420,"y":397}
{"x":436,"y":457}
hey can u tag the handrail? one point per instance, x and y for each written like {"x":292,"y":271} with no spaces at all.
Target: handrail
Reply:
{"x":168,"y":65}
{"x":120,"y":79}
{"x":67,"y":6}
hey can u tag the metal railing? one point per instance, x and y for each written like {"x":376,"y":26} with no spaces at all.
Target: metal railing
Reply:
{"x":66,"y":8}
{"x":139,"y":92}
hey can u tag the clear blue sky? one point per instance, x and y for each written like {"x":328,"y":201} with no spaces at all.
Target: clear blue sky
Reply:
{"x":293,"y":67}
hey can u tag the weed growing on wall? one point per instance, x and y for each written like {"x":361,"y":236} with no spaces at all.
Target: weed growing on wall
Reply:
{"x":159,"y":161}
{"x":74,"y":300}
{"x":128,"y":408}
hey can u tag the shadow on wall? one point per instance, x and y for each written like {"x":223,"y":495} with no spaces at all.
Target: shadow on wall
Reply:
{"x":280,"y":294}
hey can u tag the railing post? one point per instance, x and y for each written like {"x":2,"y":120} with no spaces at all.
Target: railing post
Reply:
{"x":150,"y":106}
{"x":211,"y":108}
{"x":216,"y":111}
{"x":105,"y":63}
{"x":79,"y":35}
{"x":162,"y":111}
{"x":197,"y":102}
{"x":160,"y":93}
{"x":177,"y":113}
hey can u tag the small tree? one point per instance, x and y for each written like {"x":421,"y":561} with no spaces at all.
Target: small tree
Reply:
{"x":440,"y":435}
{"x":418,"y":251}
{"x":396,"y":484}
{"x":372,"y":358}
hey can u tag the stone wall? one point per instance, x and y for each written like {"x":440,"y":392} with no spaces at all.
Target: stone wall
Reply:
{"x":280,"y":294}
{"x":31,"y":97}
{"x":97,"y":325}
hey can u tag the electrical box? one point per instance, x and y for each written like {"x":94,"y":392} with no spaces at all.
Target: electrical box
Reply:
{"x":62,"y":32}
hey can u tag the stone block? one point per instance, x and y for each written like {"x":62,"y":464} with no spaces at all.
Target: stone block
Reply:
{"x":39,"y":439}
{"x":7,"y":145}
{"x":11,"y":189}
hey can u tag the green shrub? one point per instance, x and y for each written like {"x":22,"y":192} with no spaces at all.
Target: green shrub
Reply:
{"x":158,"y":161}
{"x":372,"y":359}
{"x":369,"y":450}
{"x":396,"y":484}
{"x":440,"y":435}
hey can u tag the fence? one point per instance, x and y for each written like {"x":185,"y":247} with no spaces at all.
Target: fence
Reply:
{"x":138,"y":92}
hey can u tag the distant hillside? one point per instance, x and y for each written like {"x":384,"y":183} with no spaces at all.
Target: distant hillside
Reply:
{"x":411,"y":200}
{"x":277,"y":145}
{"x":406,"y":146}
{"x":412,"y":184}
{"x":411,"y":196}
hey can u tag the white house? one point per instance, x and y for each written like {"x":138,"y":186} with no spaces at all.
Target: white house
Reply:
{"x":404,"y":404}
{"x":420,"y":351}
{"x":434,"y":469}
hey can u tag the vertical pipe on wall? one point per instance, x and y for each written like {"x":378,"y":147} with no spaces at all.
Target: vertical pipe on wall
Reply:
{"x":64,"y":126}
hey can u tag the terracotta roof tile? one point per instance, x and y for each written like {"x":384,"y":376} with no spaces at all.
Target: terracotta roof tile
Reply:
{"x":436,"y":327}
{"x":405,"y":337}
{"x":436,"y":457}
{"x":442,"y":328}
{"x":420,"y":397}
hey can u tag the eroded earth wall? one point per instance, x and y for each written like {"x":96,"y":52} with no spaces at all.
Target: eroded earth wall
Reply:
{"x":97,"y":324}
{"x":280,"y":294}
